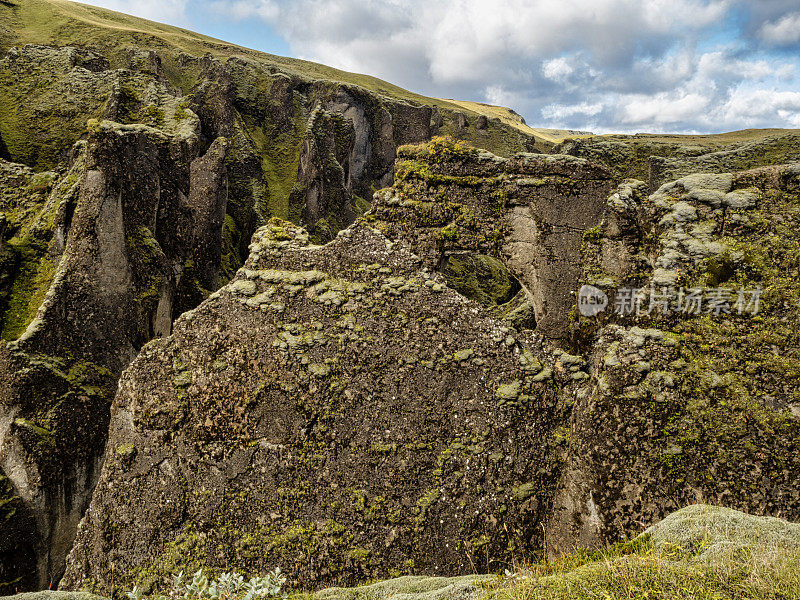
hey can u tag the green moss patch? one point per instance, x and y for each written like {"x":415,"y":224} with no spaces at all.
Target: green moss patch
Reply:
{"x":34,"y":276}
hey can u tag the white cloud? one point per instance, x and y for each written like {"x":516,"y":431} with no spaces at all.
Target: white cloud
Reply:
{"x":560,"y":112}
{"x":663,"y":108}
{"x":757,"y":107}
{"x":783,"y":32}
{"x":557,"y":69}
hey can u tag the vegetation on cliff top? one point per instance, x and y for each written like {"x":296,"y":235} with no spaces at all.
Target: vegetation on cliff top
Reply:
{"x":60,"y":22}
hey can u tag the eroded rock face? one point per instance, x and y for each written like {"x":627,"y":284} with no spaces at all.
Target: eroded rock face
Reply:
{"x":685,"y":407}
{"x":341,"y":404}
{"x":529,"y":211}
{"x":322,"y":191}
{"x":335,"y":410}
{"x":122,"y":225}
{"x":105,"y":242}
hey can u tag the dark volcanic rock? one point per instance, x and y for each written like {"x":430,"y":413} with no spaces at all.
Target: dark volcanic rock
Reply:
{"x":122,"y":227}
{"x":335,"y":410}
{"x":341,"y":412}
{"x":322,"y":188}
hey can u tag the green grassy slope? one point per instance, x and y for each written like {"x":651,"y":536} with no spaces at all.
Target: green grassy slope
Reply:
{"x":59,"y":22}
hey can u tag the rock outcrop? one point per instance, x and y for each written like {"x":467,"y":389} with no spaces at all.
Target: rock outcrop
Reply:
{"x":693,"y":389}
{"x":104,"y":242}
{"x":120,"y":227}
{"x":459,"y":208}
{"x":343,"y":403}
{"x":335,"y":410}
{"x":771,"y":150}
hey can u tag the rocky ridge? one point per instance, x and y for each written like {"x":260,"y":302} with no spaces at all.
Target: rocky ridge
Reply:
{"x":132,"y":180}
{"x":585,"y":439}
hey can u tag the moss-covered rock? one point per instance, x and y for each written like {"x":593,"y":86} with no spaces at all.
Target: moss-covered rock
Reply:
{"x":687,"y":403}
{"x":706,"y":530}
{"x":495,"y":226}
{"x":94,"y":278}
{"x":354,"y":432}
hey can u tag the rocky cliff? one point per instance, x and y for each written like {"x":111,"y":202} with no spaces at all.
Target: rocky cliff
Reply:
{"x":137,"y":212}
{"x":137,"y":161}
{"x":521,"y":220}
{"x":694,"y":364}
{"x":342,"y":404}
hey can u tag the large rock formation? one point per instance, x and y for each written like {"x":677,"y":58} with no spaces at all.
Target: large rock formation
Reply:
{"x":105,"y":242}
{"x":459,"y":209}
{"x":698,"y":403}
{"x":111,"y":245}
{"x":341,"y":403}
{"x":335,"y":410}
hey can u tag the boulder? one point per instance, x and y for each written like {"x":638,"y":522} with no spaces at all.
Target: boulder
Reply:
{"x":337,"y":411}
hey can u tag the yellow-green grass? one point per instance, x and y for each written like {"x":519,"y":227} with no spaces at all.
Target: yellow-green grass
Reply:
{"x":59,"y":22}
{"x":699,"y":553}
{"x":658,"y":575}
{"x":510,"y":117}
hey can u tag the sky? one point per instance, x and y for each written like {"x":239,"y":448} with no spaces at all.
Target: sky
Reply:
{"x":682,"y":66}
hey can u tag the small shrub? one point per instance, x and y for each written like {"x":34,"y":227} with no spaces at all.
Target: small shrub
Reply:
{"x":448,"y":148}
{"x":449,"y":234}
{"x":226,"y":586}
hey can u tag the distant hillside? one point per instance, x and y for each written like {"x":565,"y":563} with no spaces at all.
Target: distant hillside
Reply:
{"x":511,"y":117}
{"x":61,"y":23}
{"x":658,"y":158}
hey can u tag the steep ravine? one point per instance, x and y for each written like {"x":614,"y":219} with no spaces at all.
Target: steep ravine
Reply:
{"x":129,"y":194}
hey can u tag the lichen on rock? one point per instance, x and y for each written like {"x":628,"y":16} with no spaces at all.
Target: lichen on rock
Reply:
{"x":388,"y":398}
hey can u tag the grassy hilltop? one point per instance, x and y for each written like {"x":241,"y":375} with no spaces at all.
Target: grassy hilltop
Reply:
{"x":59,"y":22}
